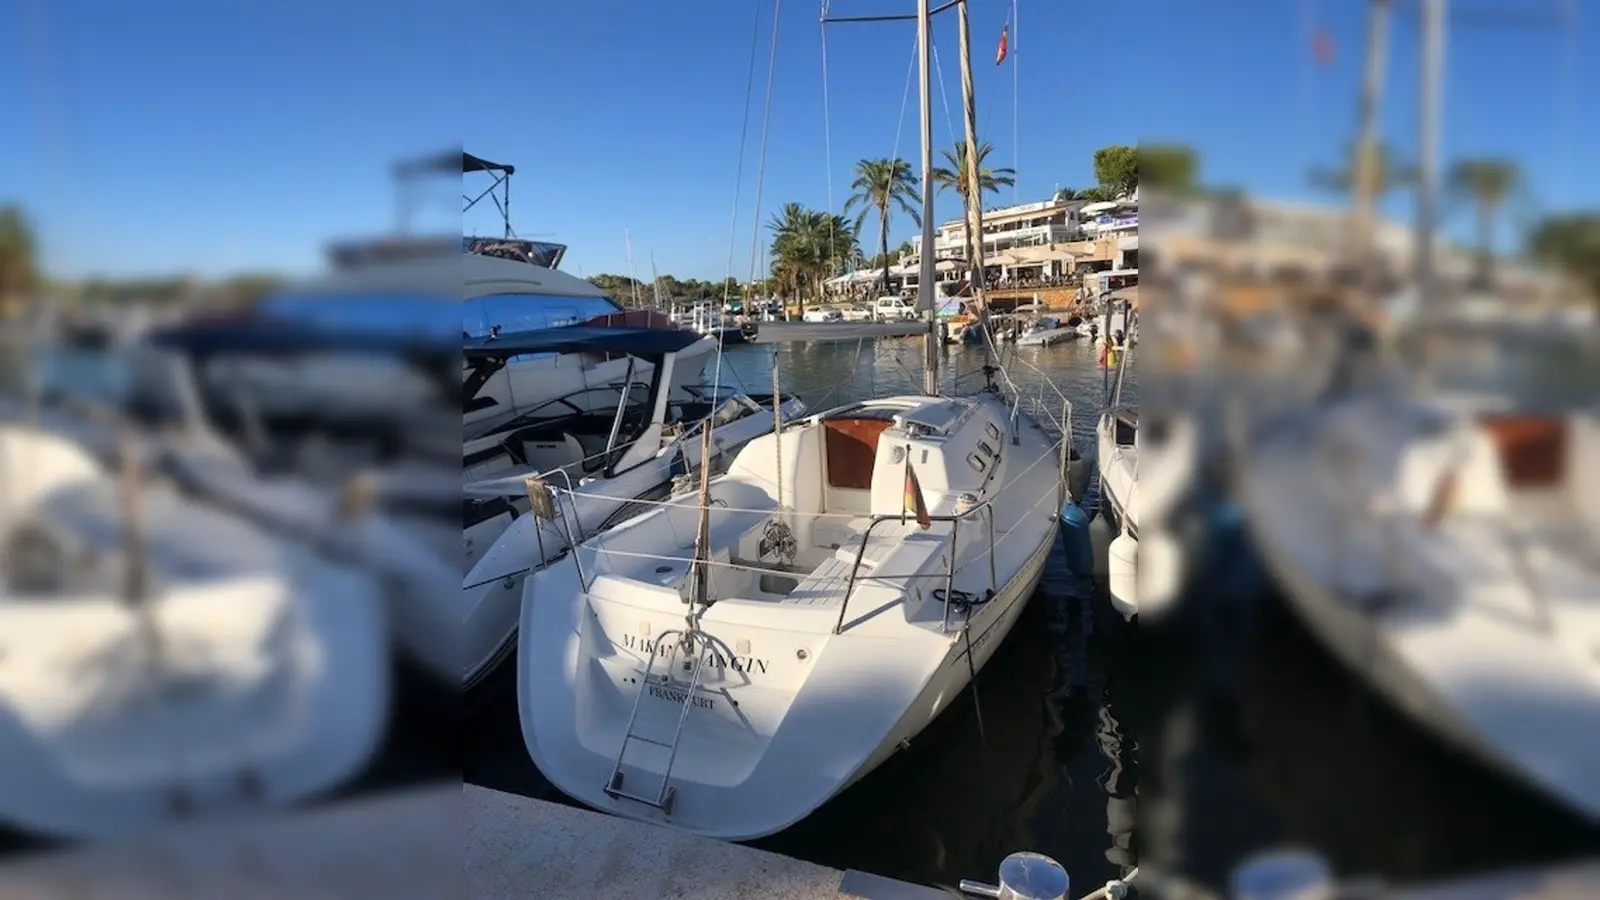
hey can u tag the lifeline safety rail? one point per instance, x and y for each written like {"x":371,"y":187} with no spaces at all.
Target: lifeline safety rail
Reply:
{"x":1064,"y":458}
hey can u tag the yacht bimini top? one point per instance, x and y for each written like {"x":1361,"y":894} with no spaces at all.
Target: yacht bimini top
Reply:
{"x":645,"y":342}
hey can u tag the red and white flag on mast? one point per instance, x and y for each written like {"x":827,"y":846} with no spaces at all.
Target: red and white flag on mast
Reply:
{"x":1000,"y":55}
{"x":1322,"y":46}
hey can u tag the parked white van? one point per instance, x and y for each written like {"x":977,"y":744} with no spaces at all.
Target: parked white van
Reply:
{"x":894,"y":309}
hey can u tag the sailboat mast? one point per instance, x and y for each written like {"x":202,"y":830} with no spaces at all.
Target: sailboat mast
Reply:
{"x":1366,"y":175}
{"x":927,"y":296}
{"x":633,"y":272}
{"x":1433,"y":24}
{"x":974,"y":199}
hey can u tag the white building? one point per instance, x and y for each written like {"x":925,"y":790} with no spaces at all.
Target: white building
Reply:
{"x":1041,"y":240}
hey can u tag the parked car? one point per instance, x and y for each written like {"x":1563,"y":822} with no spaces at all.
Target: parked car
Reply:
{"x":894,"y":309}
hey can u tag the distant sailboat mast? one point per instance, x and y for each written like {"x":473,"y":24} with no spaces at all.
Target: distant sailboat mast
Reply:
{"x":633,"y":272}
{"x":1433,"y":23}
{"x":927,"y":295}
{"x":974,"y":199}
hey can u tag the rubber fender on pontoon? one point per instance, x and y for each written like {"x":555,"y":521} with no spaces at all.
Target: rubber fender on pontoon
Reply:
{"x":1100,"y":536}
{"x":1075,"y":528}
{"x":1160,"y":571}
{"x":1122,"y":570}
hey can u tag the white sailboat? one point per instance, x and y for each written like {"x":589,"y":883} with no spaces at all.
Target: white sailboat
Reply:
{"x":160,"y":659}
{"x":1449,"y":554}
{"x":725,"y":663}
{"x":1454,"y":561}
{"x":1144,"y":473}
{"x":276,"y":471}
{"x":605,"y":460}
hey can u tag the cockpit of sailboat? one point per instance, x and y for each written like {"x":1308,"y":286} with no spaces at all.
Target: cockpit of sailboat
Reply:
{"x":846,"y":479}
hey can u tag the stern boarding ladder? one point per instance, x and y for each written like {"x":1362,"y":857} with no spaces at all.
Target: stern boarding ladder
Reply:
{"x":684,"y":642}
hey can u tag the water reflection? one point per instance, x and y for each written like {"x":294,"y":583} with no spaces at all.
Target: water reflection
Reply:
{"x":1260,"y":737}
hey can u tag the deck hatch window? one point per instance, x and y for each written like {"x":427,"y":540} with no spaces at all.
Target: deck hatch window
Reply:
{"x":976,"y":462}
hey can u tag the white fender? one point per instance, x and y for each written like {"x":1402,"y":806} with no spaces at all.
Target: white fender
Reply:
{"x":1122,"y":566}
{"x":1160,"y":572}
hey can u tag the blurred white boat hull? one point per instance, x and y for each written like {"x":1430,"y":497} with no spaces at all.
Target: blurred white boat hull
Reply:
{"x":251,"y":673}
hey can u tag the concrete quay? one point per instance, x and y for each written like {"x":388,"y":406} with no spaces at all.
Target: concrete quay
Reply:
{"x":400,"y":846}
{"x":517,"y":847}
{"x":463,"y":842}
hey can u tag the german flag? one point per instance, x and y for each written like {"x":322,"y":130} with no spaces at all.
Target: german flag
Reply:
{"x":914,"y":506}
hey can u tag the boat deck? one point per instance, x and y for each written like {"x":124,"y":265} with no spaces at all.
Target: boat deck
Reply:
{"x":839,"y":542}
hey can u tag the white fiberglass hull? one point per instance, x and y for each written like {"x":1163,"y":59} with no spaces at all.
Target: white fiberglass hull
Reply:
{"x":1046,"y":338}
{"x":418,"y":571}
{"x":1459,"y":648}
{"x":267,"y":683}
{"x":787,"y":712}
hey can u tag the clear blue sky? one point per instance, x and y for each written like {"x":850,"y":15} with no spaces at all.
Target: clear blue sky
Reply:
{"x":217,"y":136}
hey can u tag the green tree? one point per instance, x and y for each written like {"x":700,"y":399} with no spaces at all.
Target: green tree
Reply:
{"x":956,"y":176}
{"x":1170,"y":168}
{"x":880,"y":185}
{"x":1570,"y":242}
{"x":808,"y":245}
{"x":1487,"y":184}
{"x":1096,"y":194}
{"x":19,"y":263}
{"x":1390,"y":173}
{"x":1116,"y":167}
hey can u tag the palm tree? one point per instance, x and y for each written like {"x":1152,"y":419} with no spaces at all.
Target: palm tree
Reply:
{"x":1390,"y":173}
{"x":1487,"y":184}
{"x":19,"y":272}
{"x":955,"y":176}
{"x":807,"y":246}
{"x":1096,"y":194}
{"x":989,"y":181}
{"x":880,"y":184}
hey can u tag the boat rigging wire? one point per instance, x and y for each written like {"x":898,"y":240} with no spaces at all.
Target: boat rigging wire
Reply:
{"x":738,"y":172}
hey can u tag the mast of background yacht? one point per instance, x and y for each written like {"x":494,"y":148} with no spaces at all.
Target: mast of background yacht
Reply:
{"x":1366,"y":175}
{"x":926,"y":293}
{"x":1433,"y":23}
{"x":974,"y":197}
